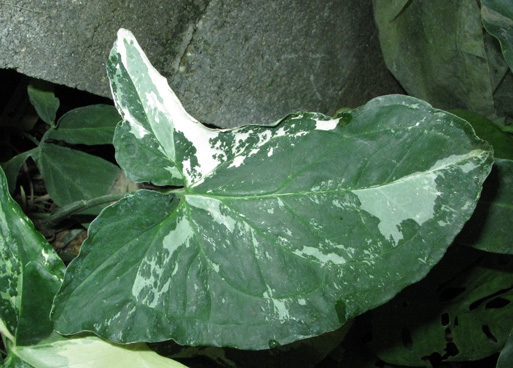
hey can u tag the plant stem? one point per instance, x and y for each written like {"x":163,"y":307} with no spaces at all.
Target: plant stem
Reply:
{"x":31,"y":138}
{"x":84,"y":204}
{"x":78,"y":206}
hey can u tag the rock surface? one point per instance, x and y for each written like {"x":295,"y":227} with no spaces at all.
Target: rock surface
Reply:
{"x":230,"y":62}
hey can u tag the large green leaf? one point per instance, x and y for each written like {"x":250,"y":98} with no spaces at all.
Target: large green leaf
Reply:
{"x":86,"y":125}
{"x":30,"y":274}
{"x":463,"y":310}
{"x":438,"y":52}
{"x":279,"y":233}
{"x":497,"y":16}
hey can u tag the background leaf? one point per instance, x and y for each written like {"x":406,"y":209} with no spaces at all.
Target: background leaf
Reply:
{"x":490,"y":227}
{"x":71,"y":175}
{"x":486,"y":129}
{"x":89,"y":125}
{"x":438,"y":52}
{"x":461,"y":311}
{"x":497,"y":18}
{"x":282,"y":233}
{"x":30,"y":273}
{"x":41,"y":96}
{"x":13,"y":166}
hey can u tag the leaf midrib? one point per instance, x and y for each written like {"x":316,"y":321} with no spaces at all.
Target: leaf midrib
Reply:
{"x":412,"y":176}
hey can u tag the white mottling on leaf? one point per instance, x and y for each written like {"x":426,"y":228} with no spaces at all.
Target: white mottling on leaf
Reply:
{"x":173,"y":171}
{"x":307,"y":252}
{"x":279,"y":306}
{"x":326,"y":124}
{"x":213,"y":207}
{"x":215,"y":267}
{"x":237,"y":161}
{"x":452,"y":160}
{"x":138,"y":130}
{"x":412,"y":197}
{"x":152,"y":280}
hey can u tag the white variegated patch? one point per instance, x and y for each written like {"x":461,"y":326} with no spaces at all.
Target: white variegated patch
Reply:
{"x":90,"y":352}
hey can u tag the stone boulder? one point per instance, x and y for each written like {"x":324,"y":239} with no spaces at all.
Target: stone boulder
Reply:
{"x":231,"y":62}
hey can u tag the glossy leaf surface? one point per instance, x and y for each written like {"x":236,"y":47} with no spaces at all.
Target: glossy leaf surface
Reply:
{"x":497,"y":18}
{"x":30,"y":274}
{"x":280,"y":232}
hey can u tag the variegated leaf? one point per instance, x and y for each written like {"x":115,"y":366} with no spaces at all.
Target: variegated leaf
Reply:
{"x":30,"y":274}
{"x":279,"y":232}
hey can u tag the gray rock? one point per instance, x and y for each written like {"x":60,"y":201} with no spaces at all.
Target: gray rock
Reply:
{"x":231,"y":62}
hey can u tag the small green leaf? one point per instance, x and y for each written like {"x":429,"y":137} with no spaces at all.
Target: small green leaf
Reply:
{"x":41,"y":96}
{"x":463,"y":310}
{"x":90,"y":352}
{"x":30,"y":274}
{"x":13,"y":166}
{"x":497,"y":16}
{"x":89,"y":125}
{"x":71,"y":175}
{"x":491,"y":226}
{"x":280,"y":232}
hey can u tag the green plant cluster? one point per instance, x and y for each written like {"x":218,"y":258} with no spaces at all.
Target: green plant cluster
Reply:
{"x":378,"y":237}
